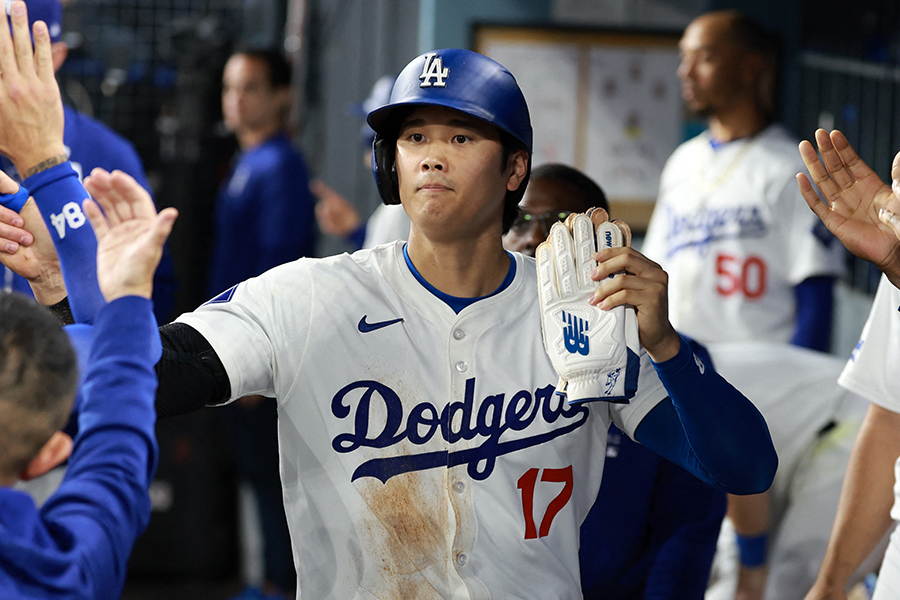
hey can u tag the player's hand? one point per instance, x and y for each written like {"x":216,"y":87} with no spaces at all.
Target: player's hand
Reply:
{"x":13,"y":233}
{"x":31,"y":114}
{"x":26,"y":248}
{"x":595,"y":352}
{"x":643,"y":284}
{"x":130,"y":235}
{"x":334,"y":214}
{"x":854,"y":195}
{"x":889,"y":212}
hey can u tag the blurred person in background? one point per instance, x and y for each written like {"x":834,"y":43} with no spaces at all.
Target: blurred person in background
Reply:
{"x":263,"y":217}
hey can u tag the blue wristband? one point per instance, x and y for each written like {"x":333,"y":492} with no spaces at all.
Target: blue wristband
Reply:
{"x":753,"y":550}
{"x":15,"y":201}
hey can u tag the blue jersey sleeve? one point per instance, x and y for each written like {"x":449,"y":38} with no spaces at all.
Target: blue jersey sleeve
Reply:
{"x":102,"y":504}
{"x":708,"y":427}
{"x":59,"y":195}
{"x":815,"y":308}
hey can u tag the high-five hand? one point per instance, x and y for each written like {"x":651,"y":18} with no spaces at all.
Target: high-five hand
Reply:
{"x":31,"y":113}
{"x":854,"y":196}
{"x":130,"y":235}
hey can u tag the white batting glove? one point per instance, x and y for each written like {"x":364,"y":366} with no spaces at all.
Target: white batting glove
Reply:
{"x":595,"y":352}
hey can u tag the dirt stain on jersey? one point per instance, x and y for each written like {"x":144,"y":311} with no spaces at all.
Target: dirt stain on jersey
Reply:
{"x":406,"y":535}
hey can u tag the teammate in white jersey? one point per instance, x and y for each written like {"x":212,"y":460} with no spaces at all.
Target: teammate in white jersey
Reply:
{"x":862,"y":211}
{"x":746,"y":260}
{"x":424,"y":451}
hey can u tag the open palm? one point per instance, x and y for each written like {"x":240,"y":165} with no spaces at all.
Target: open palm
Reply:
{"x":854,"y":194}
{"x":130,"y":233}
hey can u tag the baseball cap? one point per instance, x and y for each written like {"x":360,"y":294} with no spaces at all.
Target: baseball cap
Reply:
{"x":48,"y":11}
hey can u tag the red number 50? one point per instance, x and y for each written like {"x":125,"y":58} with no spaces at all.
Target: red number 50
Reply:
{"x":735,"y":277}
{"x":527,"y":482}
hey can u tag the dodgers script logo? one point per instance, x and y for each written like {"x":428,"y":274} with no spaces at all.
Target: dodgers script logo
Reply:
{"x":575,"y":335}
{"x":701,"y":228}
{"x":494,"y":417}
{"x":433,"y":69}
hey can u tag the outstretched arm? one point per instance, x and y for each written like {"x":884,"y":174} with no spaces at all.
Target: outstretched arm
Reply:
{"x":854,"y":199}
{"x":190,"y":374}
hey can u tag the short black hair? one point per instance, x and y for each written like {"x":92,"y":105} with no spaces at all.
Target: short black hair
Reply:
{"x":750,"y":35}
{"x":38,"y":379}
{"x":591,"y":193}
{"x":279,"y":68}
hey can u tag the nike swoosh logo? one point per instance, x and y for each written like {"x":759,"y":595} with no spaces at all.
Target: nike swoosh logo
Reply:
{"x":367,"y":327}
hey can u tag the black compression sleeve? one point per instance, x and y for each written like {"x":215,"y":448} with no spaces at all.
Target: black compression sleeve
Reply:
{"x":62,"y":311}
{"x":190,"y":373}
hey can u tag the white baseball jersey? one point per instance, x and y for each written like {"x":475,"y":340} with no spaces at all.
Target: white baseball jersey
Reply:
{"x":735,"y":235}
{"x":813,"y":422}
{"x":872,"y":372}
{"x":424,"y":453}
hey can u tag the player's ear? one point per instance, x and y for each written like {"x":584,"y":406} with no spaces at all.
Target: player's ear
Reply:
{"x":54,"y":452}
{"x":518,"y":166}
{"x":59,"y":51}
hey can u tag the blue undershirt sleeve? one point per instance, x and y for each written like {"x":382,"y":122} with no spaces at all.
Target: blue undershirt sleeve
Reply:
{"x":59,"y":194}
{"x":815,"y":305}
{"x":708,"y":427}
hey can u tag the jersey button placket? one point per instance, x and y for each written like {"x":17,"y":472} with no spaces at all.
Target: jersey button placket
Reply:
{"x":462,"y":369}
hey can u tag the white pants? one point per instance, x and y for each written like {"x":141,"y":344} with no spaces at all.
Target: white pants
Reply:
{"x":804,"y":506}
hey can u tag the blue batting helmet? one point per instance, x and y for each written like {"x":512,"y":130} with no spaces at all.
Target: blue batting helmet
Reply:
{"x":460,"y":79}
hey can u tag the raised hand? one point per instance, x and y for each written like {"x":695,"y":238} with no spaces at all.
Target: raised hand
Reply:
{"x":854,"y":196}
{"x":31,"y":114}
{"x":130,"y":235}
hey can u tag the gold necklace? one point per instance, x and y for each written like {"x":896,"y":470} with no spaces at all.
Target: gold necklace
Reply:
{"x":710,"y":185}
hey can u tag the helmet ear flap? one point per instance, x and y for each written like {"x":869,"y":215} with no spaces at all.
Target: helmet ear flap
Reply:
{"x":385,"y":168}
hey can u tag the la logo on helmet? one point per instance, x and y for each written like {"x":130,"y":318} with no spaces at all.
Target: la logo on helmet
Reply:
{"x":433,"y":68}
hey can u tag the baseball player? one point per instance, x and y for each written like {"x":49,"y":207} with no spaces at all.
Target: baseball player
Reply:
{"x":862,"y":212}
{"x":424,"y":451}
{"x":745,"y":260}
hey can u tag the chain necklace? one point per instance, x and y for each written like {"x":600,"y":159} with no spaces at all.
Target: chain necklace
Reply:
{"x":708,"y":184}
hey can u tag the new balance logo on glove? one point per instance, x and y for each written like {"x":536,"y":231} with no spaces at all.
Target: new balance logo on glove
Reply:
{"x":595,"y":352}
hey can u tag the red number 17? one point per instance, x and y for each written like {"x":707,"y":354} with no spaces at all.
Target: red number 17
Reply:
{"x":527,"y":482}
